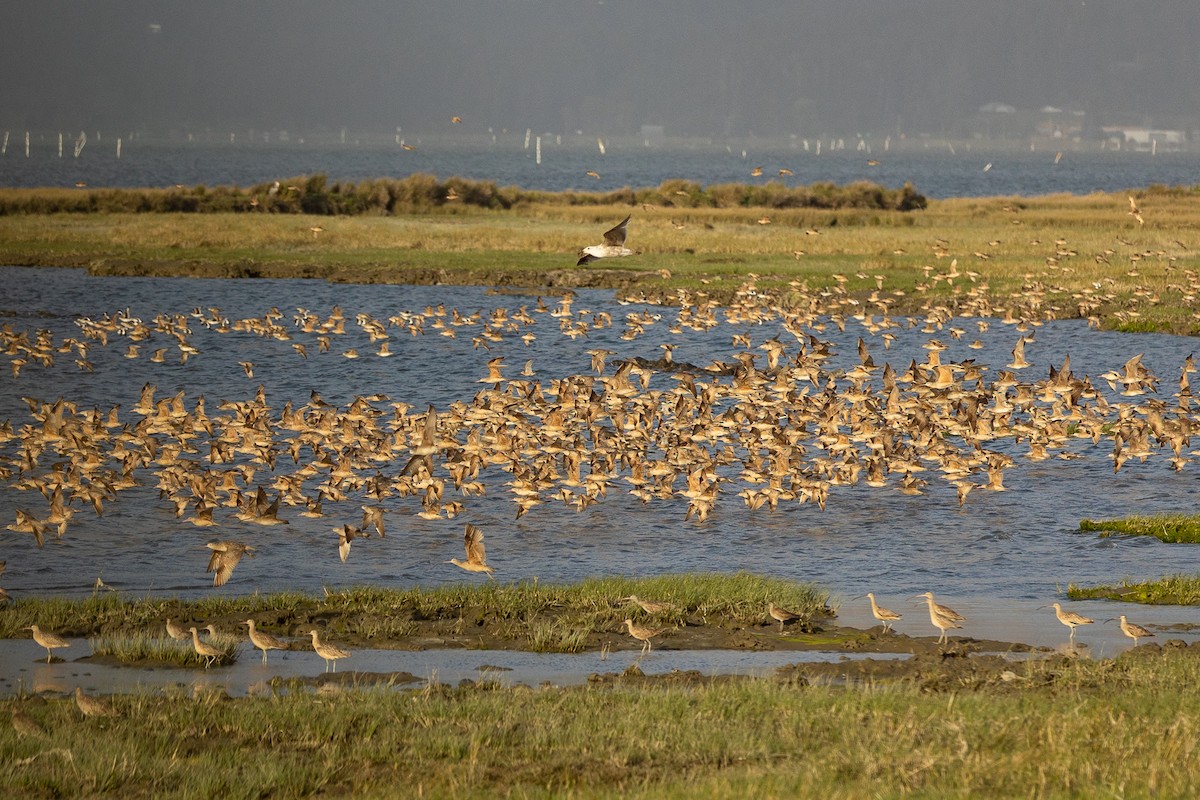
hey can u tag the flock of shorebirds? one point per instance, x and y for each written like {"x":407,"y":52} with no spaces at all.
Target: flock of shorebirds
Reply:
{"x":774,"y":423}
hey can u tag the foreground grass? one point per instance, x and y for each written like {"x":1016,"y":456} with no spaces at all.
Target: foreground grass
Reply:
{"x":1172,"y":528}
{"x":1052,"y":257}
{"x":1173,"y":590}
{"x":545,"y":616}
{"x":1124,"y":728}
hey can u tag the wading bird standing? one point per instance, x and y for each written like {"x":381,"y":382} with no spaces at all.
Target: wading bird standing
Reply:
{"x":263,"y":641}
{"x":781,"y":615}
{"x":1069,"y":618}
{"x":327,"y":651}
{"x":52,"y":642}
{"x":943,"y":617}
{"x":642,"y":634}
{"x":884,"y":615}
{"x":1133,"y":631}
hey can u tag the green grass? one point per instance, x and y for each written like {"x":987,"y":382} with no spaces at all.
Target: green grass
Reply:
{"x":1172,"y":528}
{"x":565,"y":614}
{"x":1129,"y":727}
{"x":1173,"y":590}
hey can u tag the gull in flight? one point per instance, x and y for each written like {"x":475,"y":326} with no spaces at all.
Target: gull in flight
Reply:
{"x":614,"y":245}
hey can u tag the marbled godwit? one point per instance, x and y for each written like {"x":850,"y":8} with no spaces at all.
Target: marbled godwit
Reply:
{"x":373,"y":517}
{"x":1069,"y":618}
{"x":943,"y":617}
{"x":476,"y":557}
{"x":884,"y":615}
{"x":225,"y":556}
{"x":1131,"y":630}
{"x":650,"y":606}
{"x":175,"y":632}
{"x":263,"y":641}
{"x":493,"y":376}
{"x":52,"y":642}
{"x":327,"y":651}
{"x":346,"y":535}
{"x":93,"y":706}
{"x":781,"y":615}
{"x":614,"y":245}
{"x":423,"y":452}
{"x":204,"y":649}
{"x":642,"y":634}
{"x":1018,"y":354}
{"x":27,"y":523}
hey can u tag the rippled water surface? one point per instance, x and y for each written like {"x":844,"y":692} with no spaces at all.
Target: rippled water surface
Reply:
{"x":934,"y":171}
{"x":1002,"y":550}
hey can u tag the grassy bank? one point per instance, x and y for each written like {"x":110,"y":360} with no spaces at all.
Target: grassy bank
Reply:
{"x":1171,"y":528}
{"x":1051,"y":729}
{"x":1173,"y":590}
{"x":530,"y":615}
{"x":1043,"y":257}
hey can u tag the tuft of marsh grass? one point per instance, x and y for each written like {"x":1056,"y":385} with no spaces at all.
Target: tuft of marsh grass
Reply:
{"x":1172,"y":590}
{"x":141,"y":647}
{"x":1050,"y":729}
{"x":1172,"y":528}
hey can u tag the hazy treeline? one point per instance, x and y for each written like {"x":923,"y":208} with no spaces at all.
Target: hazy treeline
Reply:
{"x":418,"y":193}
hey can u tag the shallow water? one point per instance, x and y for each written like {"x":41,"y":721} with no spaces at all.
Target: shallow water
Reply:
{"x":1013,"y":550}
{"x":22,"y":671}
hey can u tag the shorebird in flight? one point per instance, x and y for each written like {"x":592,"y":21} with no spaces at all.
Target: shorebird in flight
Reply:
{"x":225,"y":556}
{"x":476,"y":557}
{"x":614,"y":245}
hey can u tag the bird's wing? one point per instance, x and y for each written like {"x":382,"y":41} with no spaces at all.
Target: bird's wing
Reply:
{"x":224,"y":568}
{"x":430,"y":433}
{"x":474,"y":543}
{"x":214,"y":560}
{"x":615,"y":236}
{"x":586,"y":258}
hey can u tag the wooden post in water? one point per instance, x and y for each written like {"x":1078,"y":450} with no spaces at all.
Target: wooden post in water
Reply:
{"x":60,"y":144}
{"x":27,"y":144}
{"x":537,"y":157}
{"x":118,"y":148}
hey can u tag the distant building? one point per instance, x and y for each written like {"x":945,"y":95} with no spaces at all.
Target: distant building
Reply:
{"x":1138,"y":138}
{"x":997,"y":108}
